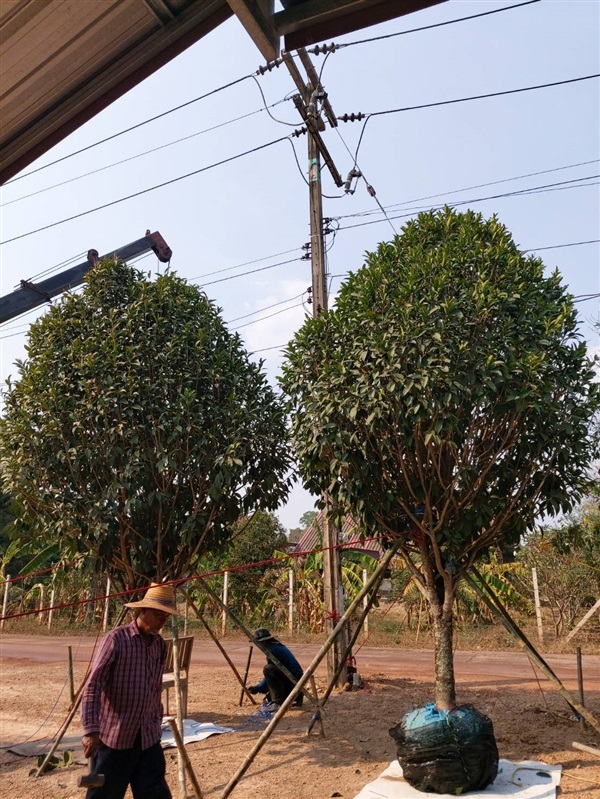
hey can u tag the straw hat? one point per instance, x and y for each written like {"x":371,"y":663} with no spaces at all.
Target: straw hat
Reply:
{"x":158,"y":597}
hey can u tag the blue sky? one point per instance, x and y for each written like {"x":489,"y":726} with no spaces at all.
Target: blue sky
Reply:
{"x":257,"y":206}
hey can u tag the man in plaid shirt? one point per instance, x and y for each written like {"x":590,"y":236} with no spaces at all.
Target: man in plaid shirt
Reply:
{"x":121,"y":710}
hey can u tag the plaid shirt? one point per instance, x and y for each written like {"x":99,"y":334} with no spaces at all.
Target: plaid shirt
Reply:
{"x":122,"y":695}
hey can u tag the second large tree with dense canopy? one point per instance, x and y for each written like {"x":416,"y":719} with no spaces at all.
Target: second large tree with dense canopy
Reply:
{"x":447,"y":398}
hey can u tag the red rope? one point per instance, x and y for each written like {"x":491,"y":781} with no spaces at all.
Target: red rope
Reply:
{"x":182,"y":580}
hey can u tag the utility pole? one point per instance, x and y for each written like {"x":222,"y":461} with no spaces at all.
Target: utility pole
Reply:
{"x":310,"y":92}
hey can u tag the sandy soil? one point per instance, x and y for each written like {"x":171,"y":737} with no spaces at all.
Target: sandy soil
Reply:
{"x":530,"y":721}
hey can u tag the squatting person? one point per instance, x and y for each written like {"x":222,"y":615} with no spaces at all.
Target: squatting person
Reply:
{"x":275,"y":683}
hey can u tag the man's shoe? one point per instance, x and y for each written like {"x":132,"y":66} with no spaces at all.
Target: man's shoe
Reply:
{"x":270,"y":707}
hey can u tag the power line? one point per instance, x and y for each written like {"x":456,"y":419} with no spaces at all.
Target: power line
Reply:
{"x":251,"y":272}
{"x":140,"y":155}
{"x":471,"y":188}
{"x":146,"y":191}
{"x":269,"y":316}
{"x":132,"y":127}
{"x":246,"y":263}
{"x":560,"y":246}
{"x":482,"y":96}
{"x":317,"y":50}
{"x":521,"y":193}
{"x":266,"y":308}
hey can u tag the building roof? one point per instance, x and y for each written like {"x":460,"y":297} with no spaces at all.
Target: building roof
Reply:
{"x":63,"y":61}
{"x":349,"y":534}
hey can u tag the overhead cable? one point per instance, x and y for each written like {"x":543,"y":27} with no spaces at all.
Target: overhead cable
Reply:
{"x":140,"y":155}
{"x":132,"y":127}
{"x":149,"y":189}
{"x":318,"y":50}
{"x":370,"y":212}
{"x":483,"y":96}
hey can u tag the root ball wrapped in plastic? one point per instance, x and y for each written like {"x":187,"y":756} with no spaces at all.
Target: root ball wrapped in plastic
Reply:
{"x":446,"y":751}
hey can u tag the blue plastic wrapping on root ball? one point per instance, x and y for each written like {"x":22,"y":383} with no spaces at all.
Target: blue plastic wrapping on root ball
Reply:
{"x":446,"y":751}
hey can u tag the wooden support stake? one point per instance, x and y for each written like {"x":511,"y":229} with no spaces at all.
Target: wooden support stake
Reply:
{"x":5,"y":600}
{"x":184,"y":756}
{"x":587,"y":616}
{"x":273,"y":724}
{"x":493,"y":603}
{"x":246,"y":674}
{"x":217,"y":643}
{"x":70,"y":667}
{"x":178,"y":704}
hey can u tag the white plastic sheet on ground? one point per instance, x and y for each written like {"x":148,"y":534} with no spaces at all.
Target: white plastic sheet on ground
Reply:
{"x":192,"y":731}
{"x":527,"y":779}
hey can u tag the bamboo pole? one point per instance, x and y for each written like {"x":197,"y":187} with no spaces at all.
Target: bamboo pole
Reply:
{"x":62,"y":732}
{"x":250,"y":636}
{"x":5,"y":600}
{"x":70,"y":667}
{"x":538,"y":607}
{"x":219,"y":645}
{"x":246,"y":674}
{"x":184,"y":756}
{"x":583,"y":748}
{"x":178,"y":707}
{"x":494,"y":604}
{"x":587,"y":616}
{"x":273,"y":724}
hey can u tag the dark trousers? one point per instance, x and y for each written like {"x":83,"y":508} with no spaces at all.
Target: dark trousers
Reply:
{"x":280,"y":686}
{"x":143,"y":769}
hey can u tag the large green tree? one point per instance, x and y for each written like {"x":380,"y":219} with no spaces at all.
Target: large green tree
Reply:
{"x":446,"y":399}
{"x":139,"y":430}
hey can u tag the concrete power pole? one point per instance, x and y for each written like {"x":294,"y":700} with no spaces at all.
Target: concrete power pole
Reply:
{"x":306,"y":103}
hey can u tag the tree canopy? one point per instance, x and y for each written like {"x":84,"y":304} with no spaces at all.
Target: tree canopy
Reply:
{"x":447,"y":397}
{"x":139,"y":429}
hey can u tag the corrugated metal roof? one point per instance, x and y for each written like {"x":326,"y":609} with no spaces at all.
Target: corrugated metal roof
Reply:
{"x":63,"y":61}
{"x":350,"y":533}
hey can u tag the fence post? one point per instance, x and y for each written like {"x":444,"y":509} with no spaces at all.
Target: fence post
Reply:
{"x":538,"y":609}
{"x":50,"y":612}
{"x":5,"y":600}
{"x":291,"y":601}
{"x":225,"y":595}
{"x":41,"y":608}
{"x":365,"y":603}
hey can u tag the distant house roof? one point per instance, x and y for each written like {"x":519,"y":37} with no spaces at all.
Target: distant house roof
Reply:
{"x":350,"y":534}
{"x":63,"y":61}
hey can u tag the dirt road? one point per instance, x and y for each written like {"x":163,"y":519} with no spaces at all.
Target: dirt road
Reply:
{"x":531,"y":721}
{"x":483,"y":668}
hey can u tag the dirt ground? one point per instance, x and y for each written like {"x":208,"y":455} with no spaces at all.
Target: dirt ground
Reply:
{"x":531,"y":721}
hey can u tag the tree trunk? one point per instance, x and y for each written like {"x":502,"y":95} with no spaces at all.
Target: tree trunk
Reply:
{"x":442,"y":616}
